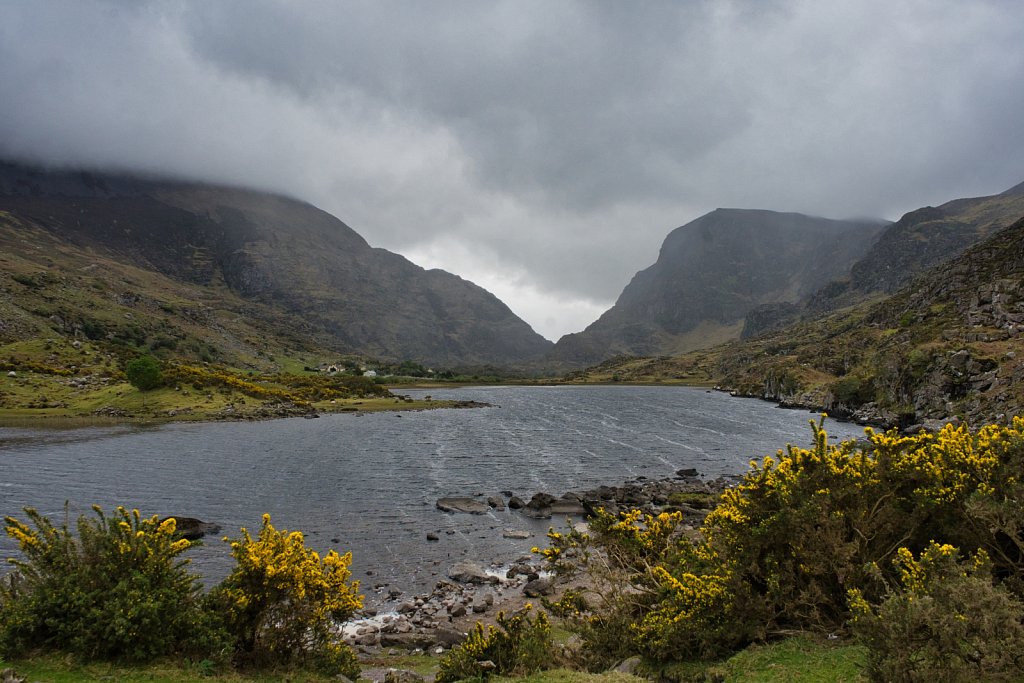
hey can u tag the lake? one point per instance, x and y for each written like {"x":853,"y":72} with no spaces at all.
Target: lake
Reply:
{"x":371,"y":481}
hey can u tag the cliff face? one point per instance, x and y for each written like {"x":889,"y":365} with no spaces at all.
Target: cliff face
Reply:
{"x":285,"y":255}
{"x":711,"y":272}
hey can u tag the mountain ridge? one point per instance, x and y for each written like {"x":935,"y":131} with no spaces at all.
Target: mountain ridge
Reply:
{"x":281,"y":253}
{"x":711,"y":272}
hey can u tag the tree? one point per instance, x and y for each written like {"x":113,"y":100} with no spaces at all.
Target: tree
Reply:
{"x":144,"y":373}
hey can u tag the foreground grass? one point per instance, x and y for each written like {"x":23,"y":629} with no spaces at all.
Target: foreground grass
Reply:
{"x":55,"y":669}
{"x":801,"y":658}
{"x":569,"y":676}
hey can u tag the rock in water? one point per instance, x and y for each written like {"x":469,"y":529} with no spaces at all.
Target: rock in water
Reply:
{"x":515,"y":533}
{"x":193,"y":529}
{"x":462,"y":504}
{"x":470,"y":572}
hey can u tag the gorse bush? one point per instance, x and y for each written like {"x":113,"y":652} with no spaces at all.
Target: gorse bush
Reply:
{"x":784,"y":548}
{"x":943,"y":621}
{"x":518,"y":645}
{"x":117,"y":590}
{"x":281,"y":599}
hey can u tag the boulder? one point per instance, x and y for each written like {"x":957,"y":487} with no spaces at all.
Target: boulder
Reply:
{"x":538,"y":587}
{"x":567,"y":507}
{"x":402,"y":676}
{"x":448,"y":637}
{"x":541,"y":501}
{"x":470,"y":572}
{"x":496,"y":502}
{"x":515,"y":503}
{"x":515,"y":533}
{"x":406,"y":639}
{"x":191,"y":528}
{"x":462,"y":504}
{"x":627,"y":666}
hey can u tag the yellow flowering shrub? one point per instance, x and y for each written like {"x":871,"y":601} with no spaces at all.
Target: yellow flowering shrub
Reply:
{"x":518,"y":645}
{"x":942,"y":620}
{"x":635,"y":540}
{"x":807,"y":525}
{"x":785,"y":547}
{"x":282,"y":599}
{"x":116,"y":590}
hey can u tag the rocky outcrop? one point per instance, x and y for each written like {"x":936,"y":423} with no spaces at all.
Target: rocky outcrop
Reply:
{"x":768,"y":317}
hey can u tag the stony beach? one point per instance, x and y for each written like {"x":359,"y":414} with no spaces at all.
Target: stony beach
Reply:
{"x":475,"y":591}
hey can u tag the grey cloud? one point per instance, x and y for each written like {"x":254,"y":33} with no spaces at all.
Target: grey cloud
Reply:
{"x":564,"y":139}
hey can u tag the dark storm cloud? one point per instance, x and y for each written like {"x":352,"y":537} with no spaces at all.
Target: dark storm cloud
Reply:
{"x":543,"y":149}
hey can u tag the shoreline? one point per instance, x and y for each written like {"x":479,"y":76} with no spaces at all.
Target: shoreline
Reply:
{"x":477,"y":590}
{"x":258,"y":414}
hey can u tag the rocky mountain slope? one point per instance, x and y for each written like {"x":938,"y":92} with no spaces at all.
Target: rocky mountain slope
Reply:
{"x":920,"y":240}
{"x":250,"y":267}
{"x":946,"y":345}
{"x":710,"y":273}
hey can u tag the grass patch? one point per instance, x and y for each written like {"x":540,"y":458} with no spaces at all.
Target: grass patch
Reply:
{"x":56,"y":669}
{"x":801,"y":658}
{"x":569,"y":676}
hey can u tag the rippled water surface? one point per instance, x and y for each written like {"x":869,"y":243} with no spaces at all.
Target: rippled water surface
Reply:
{"x":371,"y":481}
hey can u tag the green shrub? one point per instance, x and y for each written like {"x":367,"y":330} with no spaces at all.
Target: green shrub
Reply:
{"x":282,"y":598}
{"x":945,"y":621}
{"x":116,"y":591}
{"x":518,"y":646}
{"x":853,"y":391}
{"x":144,"y":373}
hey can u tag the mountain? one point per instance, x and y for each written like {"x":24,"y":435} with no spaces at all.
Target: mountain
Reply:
{"x":947,"y":345}
{"x":920,"y":240}
{"x":711,"y":273}
{"x":278,"y":267}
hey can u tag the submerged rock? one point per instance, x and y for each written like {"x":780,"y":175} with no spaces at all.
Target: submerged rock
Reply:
{"x":191,"y":528}
{"x":462,"y":504}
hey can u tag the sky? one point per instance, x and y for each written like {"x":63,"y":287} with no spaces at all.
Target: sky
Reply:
{"x":542,"y":149}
